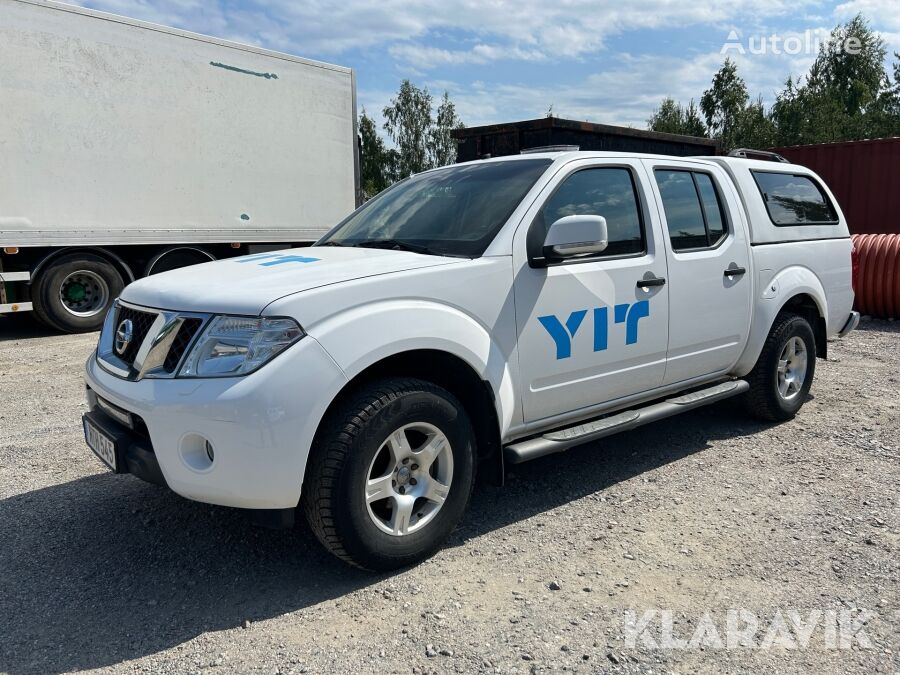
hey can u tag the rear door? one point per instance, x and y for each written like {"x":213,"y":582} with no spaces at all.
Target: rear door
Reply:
{"x":591,"y":329}
{"x":709,"y":268}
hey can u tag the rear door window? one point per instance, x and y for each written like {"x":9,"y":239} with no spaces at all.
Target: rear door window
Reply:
{"x":712,"y":208}
{"x":793,"y":199}
{"x":693,"y":209}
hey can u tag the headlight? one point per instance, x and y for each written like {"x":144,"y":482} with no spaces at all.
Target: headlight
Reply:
{"x":237,"y":345}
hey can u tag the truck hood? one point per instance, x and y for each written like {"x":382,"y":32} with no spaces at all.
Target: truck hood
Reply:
{"x":245,"y":285}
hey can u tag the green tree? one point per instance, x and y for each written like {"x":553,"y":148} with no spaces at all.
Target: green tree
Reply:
{"x":724,"y":102}
{"x":441,"y":144}
{"x":673,"y":118}
{"x":790,"y":114}
{"x":408,"y":121}
{"x":850,"y":66}
{"x":846,"y":95}
{"x":753,"y":127}
{"x":377,"y":166}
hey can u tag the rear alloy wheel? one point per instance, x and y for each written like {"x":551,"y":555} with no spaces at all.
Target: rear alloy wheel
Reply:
{"x":390,"y":474}
{"x":74,"y":293}
{"x":783,"y":374}
{"x":792,"y":368}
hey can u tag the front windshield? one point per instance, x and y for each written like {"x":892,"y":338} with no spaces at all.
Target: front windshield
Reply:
{"x":455,"y":211}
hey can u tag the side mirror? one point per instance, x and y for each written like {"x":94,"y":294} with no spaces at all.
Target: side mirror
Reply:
{"x":574,"y":236}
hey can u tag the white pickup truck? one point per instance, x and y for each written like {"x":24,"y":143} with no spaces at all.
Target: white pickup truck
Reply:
{"x":488,"y":312}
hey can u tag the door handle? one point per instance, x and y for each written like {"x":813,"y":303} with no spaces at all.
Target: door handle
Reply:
{"x":649,"y":283}
{"x":735,"y":271}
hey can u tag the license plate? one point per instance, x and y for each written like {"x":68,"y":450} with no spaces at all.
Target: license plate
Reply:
{"x":103,"y":446}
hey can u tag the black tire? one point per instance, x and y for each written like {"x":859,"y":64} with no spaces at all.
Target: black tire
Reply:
{"x":345,"y":448}
{"x":46,"y":292}
{"x":40,"y":315}
{"x":764,"y":400}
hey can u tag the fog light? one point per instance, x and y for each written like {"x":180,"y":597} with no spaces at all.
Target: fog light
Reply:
{"x":210,"y":452}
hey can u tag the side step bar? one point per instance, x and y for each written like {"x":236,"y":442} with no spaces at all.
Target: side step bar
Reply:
{"x":563,"y":439}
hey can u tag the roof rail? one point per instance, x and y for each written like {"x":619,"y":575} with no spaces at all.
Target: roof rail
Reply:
{"x":750,"y":153}
{"x":550,"y":148}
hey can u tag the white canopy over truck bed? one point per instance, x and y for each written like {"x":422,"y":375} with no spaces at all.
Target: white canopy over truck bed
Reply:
{"x":125,"y":140}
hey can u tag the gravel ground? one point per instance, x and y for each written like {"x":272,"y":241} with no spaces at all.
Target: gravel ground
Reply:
{"x":682,"y":524}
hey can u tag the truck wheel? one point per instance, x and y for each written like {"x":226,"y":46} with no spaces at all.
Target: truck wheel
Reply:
{"x":391,"y":474}
{"x":74,"y":293}
{"x":781,"y":378}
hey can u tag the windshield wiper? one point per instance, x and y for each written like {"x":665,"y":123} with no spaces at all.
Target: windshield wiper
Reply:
{"x":396,"y":245}
{"x":331,"y":242}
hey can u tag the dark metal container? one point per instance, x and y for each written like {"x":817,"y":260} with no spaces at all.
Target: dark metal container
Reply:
{"x":511,"y":138}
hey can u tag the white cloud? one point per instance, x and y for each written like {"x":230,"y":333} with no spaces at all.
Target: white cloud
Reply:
{"x":884,"y":15}
{"x":194,"y":15}
{"x":526,"y":30}
{"x":883,"y":12}
{"x":425,"y":58}
{"x":625,"y":92}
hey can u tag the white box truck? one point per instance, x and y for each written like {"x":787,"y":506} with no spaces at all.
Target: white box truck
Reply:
{"x":128,"y":148}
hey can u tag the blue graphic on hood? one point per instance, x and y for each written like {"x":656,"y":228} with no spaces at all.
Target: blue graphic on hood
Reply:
{"x":276,"y":259}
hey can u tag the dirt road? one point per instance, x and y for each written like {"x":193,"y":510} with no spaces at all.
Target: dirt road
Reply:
{"x":680,"y":529}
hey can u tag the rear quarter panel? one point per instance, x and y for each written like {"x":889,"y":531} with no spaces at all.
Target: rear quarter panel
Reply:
{"x":820,"y":269}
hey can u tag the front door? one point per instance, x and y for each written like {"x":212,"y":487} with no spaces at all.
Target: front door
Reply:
{"x":709,"y":269}
{"x":594,"y":329}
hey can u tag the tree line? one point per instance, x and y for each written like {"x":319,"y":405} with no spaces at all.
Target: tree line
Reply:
{"x":421,"y":135}
{"x":846,"y":95}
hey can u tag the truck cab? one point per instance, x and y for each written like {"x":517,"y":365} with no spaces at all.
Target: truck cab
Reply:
{"x":489,"y":312}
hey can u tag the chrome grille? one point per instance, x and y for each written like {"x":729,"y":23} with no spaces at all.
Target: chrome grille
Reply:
{"x":142,"y":321}
{"x":160,"y":340}
{"x":183,"y":339}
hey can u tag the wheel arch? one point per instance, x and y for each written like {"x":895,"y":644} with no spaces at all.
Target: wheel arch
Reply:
{"x":796,"y":289}
{"x":806,"y":306}
{"x":451,"y":372}
{"x":112,"y":258}
{"x":161,"y":256}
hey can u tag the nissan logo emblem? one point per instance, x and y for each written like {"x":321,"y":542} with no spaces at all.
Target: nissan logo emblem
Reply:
{"x":124,"y":336}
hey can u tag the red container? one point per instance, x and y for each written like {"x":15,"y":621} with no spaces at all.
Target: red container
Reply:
{"x":876,"y":274}
{"x":863,"y":175}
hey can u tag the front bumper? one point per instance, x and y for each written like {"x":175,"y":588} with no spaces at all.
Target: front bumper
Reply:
{"x":134,"y":452}
{"x":260,"y":426}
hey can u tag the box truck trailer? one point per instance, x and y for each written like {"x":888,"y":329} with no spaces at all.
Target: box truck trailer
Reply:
{"x":128,"y":148}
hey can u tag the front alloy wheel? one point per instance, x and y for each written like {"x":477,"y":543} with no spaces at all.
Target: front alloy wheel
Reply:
{"x":390,"y":474}
{"x":409,"y":479}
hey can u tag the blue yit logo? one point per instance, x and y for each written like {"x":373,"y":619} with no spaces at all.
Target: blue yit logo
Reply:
{"x":271,"y":259}
{"x":564,"y":333}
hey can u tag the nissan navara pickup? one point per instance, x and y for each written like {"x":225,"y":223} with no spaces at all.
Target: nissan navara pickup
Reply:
{"x":474,"y":315}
